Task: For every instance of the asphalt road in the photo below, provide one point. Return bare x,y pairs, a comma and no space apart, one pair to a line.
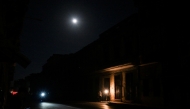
81,105
48,105
85,105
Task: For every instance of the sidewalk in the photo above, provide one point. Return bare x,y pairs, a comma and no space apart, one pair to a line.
136,105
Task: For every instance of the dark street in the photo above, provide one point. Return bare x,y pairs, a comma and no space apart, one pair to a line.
94,54
83,105
49,105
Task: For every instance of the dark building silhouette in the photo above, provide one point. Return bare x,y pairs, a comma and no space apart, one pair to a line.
174,44
11,19
61,74
125,61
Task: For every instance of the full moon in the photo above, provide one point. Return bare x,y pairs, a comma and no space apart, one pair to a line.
74,20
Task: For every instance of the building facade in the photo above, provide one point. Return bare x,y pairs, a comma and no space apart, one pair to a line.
125,84
125,60
136,60
12,15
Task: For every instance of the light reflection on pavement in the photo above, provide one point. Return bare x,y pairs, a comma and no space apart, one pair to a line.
105,107
94,105
81,105
46,105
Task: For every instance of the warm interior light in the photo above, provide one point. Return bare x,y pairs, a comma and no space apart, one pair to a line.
106,91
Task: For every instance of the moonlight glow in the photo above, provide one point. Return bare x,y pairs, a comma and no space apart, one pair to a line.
74,20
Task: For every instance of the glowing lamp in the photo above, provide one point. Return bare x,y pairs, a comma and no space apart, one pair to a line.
43,94
106,91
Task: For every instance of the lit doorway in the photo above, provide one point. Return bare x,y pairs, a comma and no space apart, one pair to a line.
106,87
118,86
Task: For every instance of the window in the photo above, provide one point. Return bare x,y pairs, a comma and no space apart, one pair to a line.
156,87
107,83
146,87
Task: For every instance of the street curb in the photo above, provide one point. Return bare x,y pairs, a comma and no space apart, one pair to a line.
132,104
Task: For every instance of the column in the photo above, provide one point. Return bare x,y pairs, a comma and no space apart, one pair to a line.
123,86
112,88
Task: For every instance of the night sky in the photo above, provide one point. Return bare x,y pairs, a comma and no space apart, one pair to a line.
48,27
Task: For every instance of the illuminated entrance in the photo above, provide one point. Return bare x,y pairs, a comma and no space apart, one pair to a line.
113,79
118,86
106,87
